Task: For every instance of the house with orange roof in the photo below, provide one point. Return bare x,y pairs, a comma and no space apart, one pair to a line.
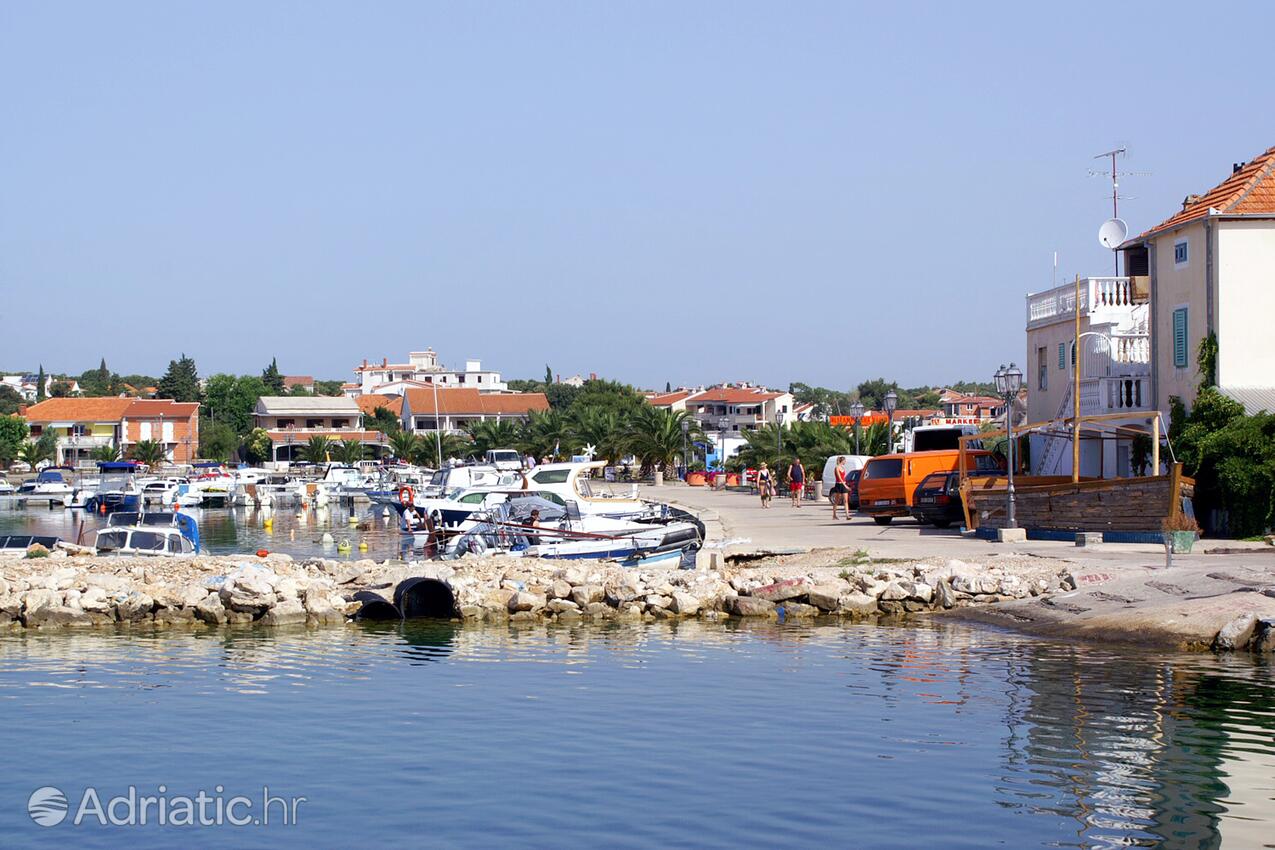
740,408
1210,266
82,425
292,382
674,401
292,421
451,409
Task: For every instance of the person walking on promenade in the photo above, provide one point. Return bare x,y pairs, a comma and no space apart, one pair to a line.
765,484
839,489
797,480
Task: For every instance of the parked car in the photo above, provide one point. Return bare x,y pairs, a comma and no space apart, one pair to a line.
852,481
937,500
888,482
854,463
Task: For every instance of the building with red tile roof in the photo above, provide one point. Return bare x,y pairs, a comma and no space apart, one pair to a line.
83,425
305,382
457,407
1208,271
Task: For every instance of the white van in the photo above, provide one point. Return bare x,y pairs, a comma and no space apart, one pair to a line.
853,462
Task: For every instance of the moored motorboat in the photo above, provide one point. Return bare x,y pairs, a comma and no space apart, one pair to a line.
166,534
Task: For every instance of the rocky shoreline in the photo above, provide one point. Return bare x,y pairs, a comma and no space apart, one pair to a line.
66,591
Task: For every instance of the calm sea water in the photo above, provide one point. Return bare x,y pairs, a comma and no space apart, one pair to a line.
234,530
690,735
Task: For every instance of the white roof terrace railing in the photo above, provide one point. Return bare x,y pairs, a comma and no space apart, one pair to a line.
1097,294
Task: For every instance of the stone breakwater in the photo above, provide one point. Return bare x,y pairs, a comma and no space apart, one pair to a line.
75,592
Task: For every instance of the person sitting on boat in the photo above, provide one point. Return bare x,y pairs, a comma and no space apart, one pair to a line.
534,522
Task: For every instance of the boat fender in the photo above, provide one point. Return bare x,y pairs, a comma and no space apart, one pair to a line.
327,537
362,545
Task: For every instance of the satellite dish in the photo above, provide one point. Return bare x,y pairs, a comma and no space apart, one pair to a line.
1113,233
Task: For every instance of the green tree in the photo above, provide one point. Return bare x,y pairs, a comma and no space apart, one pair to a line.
384,420
317,449
271,377
257,446
548,433
328,388
668,386
104,454
492,434
13,433
217,440
299,390
548,375
350,451
35,452
602,428
148,452
1231,456
180,382
426,452
404,445
39,385
231,400
60,389
826,402
10,401
654,436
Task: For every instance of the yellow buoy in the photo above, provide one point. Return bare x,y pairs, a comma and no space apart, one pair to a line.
268,521
362,545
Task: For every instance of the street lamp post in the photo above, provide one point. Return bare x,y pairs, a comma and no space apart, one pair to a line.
891,402
723,423
856,413
779,434
1008,382
686,430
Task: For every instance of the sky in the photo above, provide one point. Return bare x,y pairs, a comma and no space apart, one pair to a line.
655,192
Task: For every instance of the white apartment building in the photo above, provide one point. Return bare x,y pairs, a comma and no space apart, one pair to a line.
422,367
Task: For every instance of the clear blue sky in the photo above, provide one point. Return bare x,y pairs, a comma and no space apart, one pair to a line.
650,191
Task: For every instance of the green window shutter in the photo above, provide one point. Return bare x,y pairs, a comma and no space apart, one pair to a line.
1179,338
1062,355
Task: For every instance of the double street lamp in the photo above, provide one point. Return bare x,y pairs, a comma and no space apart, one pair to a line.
1008,382
856,413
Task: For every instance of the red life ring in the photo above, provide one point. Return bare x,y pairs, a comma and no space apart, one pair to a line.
406,496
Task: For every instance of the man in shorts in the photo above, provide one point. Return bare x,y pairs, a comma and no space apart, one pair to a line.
796,480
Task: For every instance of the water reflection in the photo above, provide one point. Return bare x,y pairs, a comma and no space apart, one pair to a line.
1051,744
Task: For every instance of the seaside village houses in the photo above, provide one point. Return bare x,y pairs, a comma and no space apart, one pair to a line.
425,396
1208,269
82,425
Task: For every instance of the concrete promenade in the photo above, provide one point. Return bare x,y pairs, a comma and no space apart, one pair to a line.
1125,592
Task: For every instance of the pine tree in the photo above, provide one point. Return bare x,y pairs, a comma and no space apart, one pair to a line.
39,385
548,374
181,381
271,378
668,386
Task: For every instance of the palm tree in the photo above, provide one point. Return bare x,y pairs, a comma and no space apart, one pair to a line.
149,452
426,453
33,452
548,433
492,434
654,435
317,449
105,453
601,428
404,445
350,451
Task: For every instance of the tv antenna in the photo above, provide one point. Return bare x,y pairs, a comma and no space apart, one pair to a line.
1114,226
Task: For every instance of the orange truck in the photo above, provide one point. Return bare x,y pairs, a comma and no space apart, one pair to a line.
888,482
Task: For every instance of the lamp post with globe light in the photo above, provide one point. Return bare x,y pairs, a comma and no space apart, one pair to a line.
686,430
1008,382
856,413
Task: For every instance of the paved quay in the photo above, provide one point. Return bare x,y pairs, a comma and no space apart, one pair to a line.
1218,595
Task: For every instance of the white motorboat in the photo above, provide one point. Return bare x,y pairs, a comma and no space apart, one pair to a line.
161,534
6,489
52,484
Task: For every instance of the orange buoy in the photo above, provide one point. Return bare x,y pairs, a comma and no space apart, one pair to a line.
261,553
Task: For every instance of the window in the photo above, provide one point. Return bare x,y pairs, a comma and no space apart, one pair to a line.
1180,337
892,468
1181,253
1062,355
551,476
1042,369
